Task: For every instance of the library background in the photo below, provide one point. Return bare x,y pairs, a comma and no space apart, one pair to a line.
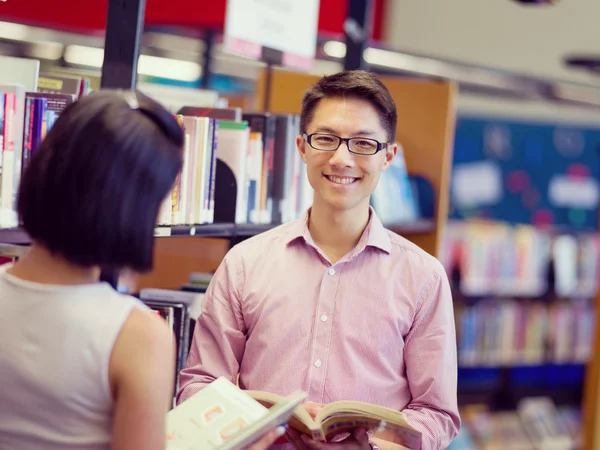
498,177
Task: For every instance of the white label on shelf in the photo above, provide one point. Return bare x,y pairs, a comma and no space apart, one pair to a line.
162,232
289,26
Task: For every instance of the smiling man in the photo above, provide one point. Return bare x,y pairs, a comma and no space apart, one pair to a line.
335,304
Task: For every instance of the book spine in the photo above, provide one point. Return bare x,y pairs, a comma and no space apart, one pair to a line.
213,171
2,127
8,152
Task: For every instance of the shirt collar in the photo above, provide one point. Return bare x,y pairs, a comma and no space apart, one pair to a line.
375,235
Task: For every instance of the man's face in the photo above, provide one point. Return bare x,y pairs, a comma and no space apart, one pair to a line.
343,180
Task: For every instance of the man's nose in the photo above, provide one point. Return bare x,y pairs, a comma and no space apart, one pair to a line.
342,156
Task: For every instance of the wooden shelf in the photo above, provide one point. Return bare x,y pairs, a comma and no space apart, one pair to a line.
215,230
417,227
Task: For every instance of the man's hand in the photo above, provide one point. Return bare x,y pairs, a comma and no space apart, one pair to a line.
358,440
268,439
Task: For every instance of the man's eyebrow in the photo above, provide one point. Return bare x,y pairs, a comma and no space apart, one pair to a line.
364,132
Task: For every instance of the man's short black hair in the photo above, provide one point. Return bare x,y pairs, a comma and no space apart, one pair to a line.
93,189
358,84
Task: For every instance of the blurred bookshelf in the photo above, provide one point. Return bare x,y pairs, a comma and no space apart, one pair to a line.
525,319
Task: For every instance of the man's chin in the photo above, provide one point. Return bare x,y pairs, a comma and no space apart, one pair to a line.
341,205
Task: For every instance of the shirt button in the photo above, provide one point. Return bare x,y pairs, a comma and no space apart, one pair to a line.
324,318
332,271
318,363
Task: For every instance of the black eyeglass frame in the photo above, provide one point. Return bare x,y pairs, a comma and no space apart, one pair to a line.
380,145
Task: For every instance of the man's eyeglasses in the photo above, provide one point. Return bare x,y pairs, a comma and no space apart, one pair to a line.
331,142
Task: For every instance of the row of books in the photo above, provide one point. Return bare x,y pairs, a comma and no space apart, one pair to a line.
536,424
505,260
249,164
25,118
30,103
509,332
238,168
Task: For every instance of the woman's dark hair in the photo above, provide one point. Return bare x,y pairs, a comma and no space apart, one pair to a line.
358,84
93,189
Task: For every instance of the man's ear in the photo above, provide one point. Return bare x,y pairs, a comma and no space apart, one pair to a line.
390,154
301,146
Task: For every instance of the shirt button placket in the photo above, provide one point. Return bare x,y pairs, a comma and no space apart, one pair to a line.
323,332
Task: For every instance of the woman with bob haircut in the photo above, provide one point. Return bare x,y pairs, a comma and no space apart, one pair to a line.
82,366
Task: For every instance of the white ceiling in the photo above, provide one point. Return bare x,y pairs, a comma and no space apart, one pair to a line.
498,33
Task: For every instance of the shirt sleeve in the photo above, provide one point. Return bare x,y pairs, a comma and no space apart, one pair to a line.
431,365
219,335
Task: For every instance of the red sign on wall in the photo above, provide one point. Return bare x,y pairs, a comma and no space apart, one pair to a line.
90,16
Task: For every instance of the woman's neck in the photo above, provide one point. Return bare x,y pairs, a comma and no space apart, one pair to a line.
39,265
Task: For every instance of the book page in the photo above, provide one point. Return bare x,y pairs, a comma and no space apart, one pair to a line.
301,419
385,423
391,432
211,417
277,415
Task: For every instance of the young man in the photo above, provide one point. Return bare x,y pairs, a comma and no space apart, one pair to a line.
335,304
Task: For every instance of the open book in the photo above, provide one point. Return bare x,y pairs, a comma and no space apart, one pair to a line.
223,417
344,416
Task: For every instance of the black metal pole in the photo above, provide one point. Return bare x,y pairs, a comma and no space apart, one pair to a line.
268,81
207,59
124,28
357,32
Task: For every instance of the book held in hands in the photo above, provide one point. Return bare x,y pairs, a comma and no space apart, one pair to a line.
343,417
223,417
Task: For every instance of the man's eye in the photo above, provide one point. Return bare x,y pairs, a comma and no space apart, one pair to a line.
324,139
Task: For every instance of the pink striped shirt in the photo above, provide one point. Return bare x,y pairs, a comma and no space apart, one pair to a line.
376,326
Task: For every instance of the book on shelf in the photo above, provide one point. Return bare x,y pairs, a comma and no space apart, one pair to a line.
56,83
178,308
23,71
223,417
394,198
167,313
535,424
341,417
264,124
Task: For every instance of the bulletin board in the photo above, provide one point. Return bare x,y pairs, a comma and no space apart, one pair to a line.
526,172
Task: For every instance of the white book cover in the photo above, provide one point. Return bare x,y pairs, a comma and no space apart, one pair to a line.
23,71
223,417
192,131
233,139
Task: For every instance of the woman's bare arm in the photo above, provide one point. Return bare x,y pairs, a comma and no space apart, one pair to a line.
142,371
